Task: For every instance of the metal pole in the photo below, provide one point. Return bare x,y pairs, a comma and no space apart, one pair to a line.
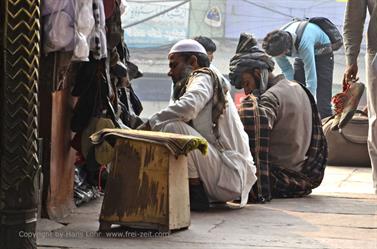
19,166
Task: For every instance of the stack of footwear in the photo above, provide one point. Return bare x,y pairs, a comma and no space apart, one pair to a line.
346,104
82,191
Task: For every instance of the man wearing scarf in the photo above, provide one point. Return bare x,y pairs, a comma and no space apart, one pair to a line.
203,107
283,124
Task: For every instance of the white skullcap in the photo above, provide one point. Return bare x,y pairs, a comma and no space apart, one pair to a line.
187,45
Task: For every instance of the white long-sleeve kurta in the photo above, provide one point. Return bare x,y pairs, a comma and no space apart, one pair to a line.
225,173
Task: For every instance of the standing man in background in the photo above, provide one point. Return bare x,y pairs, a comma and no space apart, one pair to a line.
208,45
314,59
210,48
356,12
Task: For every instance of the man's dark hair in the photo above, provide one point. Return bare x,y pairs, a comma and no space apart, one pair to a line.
206,42
277,42
252,72
203,60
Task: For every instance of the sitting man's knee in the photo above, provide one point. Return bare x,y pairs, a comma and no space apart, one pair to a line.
169,127
177,127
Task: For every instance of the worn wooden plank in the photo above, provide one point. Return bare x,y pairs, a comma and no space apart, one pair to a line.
147,188
137,186
179,201
60,196
56,105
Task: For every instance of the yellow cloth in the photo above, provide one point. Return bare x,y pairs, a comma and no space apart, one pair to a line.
95,124
177,144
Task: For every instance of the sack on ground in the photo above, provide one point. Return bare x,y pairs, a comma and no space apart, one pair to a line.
348,147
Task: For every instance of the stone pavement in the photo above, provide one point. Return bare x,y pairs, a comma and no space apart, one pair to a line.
341,213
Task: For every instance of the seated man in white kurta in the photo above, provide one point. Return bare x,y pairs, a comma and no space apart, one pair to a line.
203,107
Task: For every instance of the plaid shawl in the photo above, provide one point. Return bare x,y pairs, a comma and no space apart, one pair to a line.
274,181
255,121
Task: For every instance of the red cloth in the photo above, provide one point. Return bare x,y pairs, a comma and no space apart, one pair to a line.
339,99
109,7
76,142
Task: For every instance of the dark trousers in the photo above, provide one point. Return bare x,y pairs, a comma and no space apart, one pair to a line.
324,68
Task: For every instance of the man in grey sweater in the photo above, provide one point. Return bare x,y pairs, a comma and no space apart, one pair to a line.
356,12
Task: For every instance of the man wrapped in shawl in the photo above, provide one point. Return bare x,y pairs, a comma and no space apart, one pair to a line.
203,107
283,124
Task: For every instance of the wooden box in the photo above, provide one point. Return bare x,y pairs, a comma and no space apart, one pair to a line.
147,188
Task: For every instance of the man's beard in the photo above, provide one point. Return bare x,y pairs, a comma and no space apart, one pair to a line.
180,84
184,75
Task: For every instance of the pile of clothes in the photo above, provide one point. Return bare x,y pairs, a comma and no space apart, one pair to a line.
101,74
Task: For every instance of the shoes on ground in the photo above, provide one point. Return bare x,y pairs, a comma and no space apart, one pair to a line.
346,104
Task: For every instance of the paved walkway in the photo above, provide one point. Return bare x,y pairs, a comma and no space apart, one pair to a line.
341,213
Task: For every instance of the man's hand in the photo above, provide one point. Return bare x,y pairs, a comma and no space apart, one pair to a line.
145,126
350,74
365,109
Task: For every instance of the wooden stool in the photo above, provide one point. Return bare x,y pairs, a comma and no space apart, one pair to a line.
147,188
